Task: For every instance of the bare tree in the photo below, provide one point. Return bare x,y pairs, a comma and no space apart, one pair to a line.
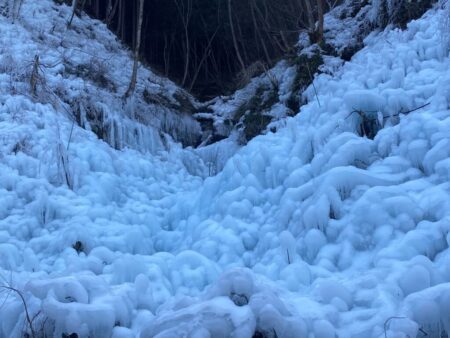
233,33
310,15
316,32
185,12
120,29
111,11
320,20
168,44
14,7
132,85
206,54
74,8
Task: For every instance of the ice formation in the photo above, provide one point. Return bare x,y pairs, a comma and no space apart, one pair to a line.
312,231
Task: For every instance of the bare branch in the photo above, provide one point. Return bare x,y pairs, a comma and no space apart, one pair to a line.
27,314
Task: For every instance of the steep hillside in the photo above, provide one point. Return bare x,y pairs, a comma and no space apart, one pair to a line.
335,225
84,71
262,104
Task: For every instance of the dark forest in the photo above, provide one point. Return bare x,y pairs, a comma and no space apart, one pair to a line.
209,47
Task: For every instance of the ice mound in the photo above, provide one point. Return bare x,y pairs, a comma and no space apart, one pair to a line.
313,231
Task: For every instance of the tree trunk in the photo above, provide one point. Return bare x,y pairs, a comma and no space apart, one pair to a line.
111,12
74,8
205,55
97,9
185,13
132,86
233,34
310,15
320,21
121,21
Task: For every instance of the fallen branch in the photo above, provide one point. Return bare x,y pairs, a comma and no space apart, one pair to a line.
410,111
362,112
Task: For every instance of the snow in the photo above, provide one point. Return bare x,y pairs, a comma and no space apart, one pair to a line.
312,231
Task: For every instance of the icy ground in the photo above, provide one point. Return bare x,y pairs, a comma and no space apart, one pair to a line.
312,231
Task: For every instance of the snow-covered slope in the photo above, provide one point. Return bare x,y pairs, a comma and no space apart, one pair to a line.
313,231
84,71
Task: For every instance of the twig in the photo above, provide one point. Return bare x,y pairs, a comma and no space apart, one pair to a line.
412,110
386,324
275,333
6,299
74,8
423,331
87,53
70,136
314,86
64,162
51,65
362,112
43,324
359,112
18,10
27,314
35,316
